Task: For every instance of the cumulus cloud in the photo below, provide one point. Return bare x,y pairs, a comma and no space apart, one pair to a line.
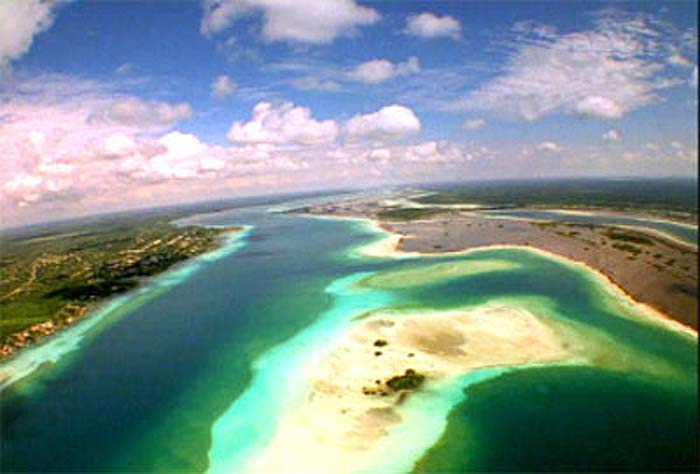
20,21
292,21
222,86
604,72
550,146
134,112
284,123
380,70
57,162
428,25
64,138
118,144
181,156
474,124
611,135
391,122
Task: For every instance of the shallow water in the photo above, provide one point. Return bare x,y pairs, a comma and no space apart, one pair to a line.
197,375
685,233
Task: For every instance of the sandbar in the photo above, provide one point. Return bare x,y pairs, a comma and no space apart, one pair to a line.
351,415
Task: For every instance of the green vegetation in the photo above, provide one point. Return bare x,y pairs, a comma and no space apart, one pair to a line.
410,380
408,213
629,237
50,279
380,343
571,233
545,225
627,248
665,195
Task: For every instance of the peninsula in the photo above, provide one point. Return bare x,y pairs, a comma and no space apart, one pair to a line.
654,268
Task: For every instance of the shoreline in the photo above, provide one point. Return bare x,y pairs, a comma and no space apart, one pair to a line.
65,339
344,416
389,247
345,420
33,335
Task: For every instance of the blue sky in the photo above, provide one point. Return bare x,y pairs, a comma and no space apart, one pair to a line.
109,105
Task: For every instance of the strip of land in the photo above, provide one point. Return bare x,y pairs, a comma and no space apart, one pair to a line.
52,280
650,268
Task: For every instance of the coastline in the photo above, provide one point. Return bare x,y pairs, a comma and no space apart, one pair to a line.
348,420
389,246
342,414
66,339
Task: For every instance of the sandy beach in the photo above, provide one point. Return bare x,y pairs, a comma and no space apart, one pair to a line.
390,247
350,412
662,276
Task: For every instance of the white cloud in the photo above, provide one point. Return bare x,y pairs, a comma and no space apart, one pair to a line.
380,70
550,146
183,156
611,135
391,122
694,78
678,60
605,72
118,144
20,21
474,124
289,20
222,86
284,123
428,25
134,112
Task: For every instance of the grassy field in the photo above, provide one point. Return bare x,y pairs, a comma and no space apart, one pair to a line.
51,278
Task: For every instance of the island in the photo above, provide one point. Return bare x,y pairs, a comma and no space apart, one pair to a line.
53,278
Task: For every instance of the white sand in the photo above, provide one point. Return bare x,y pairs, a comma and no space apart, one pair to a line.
338,428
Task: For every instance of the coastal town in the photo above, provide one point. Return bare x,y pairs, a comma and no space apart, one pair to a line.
49,282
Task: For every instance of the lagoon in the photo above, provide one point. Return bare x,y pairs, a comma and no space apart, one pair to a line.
198,375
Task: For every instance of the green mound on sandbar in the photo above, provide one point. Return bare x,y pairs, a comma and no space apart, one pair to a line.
435,273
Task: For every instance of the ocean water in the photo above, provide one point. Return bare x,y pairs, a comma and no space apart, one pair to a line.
197,375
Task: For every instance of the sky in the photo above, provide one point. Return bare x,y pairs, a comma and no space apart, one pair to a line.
111,105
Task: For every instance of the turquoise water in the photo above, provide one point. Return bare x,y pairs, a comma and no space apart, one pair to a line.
683,232
197,375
